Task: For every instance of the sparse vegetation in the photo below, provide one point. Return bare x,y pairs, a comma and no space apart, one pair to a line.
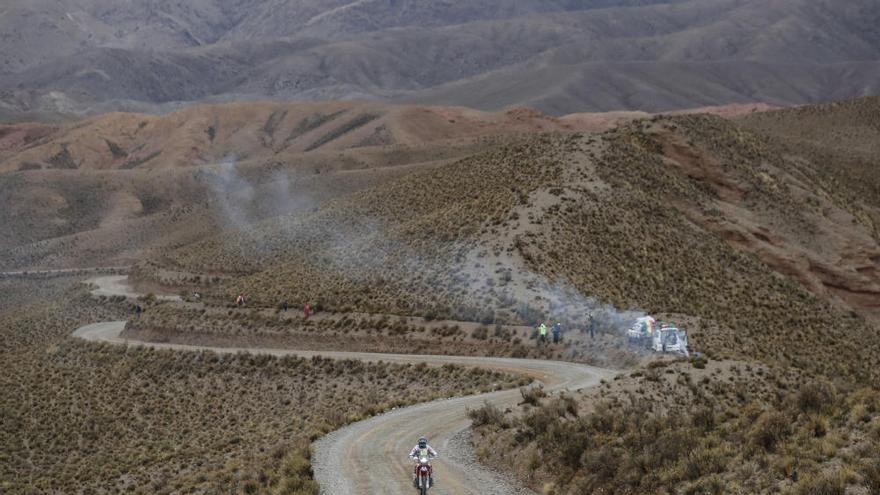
63,159
311,123
116,150
137,162
25,166
272,122
359,121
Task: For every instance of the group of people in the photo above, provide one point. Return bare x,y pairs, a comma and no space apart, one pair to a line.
556,330
545,333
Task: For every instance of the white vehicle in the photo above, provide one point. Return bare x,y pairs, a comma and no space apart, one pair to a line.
642,329
647,333
670,339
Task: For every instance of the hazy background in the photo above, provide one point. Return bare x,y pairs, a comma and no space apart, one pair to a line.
560,56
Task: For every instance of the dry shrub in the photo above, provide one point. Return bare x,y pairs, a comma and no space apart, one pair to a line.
832,483
487,415
295,473
770,428
813,397
532,395
705,461
713,485
870,471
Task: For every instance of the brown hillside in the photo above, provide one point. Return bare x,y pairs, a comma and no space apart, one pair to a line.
249,131
690,215
774,237
112,188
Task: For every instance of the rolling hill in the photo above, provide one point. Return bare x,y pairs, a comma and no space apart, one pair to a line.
110,188
693,215
559,56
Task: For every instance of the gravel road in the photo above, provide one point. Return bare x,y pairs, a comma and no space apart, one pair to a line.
117,285
369,457
65,272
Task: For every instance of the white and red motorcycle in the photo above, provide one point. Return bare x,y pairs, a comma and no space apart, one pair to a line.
424,474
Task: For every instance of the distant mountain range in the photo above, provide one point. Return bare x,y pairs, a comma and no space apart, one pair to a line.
560,56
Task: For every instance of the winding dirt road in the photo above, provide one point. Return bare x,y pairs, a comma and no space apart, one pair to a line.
369,457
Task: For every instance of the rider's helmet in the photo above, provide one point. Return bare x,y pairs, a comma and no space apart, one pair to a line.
423,443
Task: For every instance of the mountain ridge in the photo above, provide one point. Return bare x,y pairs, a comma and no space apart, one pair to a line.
100,56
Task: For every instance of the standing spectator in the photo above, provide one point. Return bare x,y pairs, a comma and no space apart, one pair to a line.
307,311
542,334
557,332
592,327
285,306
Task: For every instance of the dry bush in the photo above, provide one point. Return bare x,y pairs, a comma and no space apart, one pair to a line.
488,415
770,428
821,484
871,472
532,395
814,397
480,333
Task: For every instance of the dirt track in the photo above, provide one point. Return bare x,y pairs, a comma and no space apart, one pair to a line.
62,272
369,457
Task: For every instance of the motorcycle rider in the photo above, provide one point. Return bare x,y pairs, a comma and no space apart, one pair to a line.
422,449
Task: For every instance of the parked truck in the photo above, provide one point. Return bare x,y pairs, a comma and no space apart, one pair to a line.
647,333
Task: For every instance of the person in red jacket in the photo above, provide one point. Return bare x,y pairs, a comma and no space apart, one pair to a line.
307,310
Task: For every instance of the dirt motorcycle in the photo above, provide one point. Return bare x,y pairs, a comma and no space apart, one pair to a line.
424,475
